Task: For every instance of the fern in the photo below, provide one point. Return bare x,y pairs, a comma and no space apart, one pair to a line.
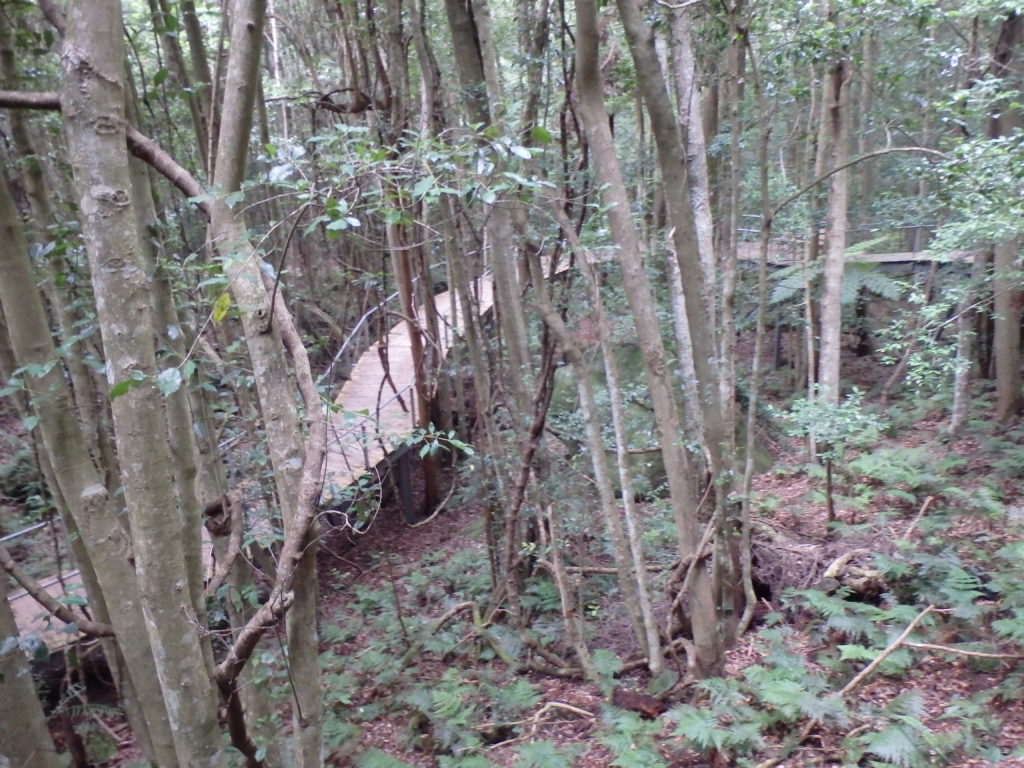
545,754
465,761
375,758
631,741
895,744
512,700
697,726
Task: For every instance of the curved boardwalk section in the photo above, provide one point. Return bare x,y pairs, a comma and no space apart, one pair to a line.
378,403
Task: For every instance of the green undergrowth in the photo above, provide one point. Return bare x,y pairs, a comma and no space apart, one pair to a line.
917,672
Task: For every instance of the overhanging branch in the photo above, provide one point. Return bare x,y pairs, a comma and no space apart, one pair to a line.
140,145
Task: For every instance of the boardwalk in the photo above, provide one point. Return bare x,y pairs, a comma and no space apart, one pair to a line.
373,416
379,406
378,411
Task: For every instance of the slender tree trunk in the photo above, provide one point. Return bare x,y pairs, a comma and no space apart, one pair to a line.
692,118
94,103
834,112
727,341
702,613
966,365
671,163
754,388
262,325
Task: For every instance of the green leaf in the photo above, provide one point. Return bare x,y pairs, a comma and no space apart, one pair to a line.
168,381
199,199
122,387
221,307
423,186
338,225
521,152
30,423
160,76
234,199
540,134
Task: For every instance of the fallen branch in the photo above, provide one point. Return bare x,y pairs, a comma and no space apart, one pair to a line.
534,721
963,651
917,518
860,677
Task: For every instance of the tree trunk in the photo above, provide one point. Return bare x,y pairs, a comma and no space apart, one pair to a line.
95,515
263,328
672,166
24,737
702,613
1008,296
834,112
94,101
468,60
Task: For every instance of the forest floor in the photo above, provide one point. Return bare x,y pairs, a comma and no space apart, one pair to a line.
793,541
384,591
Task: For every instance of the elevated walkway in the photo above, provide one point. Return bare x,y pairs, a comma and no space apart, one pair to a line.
377,412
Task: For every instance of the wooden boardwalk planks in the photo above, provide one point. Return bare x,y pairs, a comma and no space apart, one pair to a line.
378,405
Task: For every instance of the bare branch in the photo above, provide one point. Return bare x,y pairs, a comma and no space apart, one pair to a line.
861,158
140,145
50,603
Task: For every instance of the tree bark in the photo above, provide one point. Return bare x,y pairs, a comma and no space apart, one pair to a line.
24,737
834,113
263,326
1008,295
94,101
94,514
672,166
702,613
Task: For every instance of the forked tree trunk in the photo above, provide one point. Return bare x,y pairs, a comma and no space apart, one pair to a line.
274,382
93,512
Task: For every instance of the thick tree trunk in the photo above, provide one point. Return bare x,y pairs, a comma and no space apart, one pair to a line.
468,60
1008,294
94,108
95,515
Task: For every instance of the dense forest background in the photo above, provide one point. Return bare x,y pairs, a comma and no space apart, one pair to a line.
721,468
